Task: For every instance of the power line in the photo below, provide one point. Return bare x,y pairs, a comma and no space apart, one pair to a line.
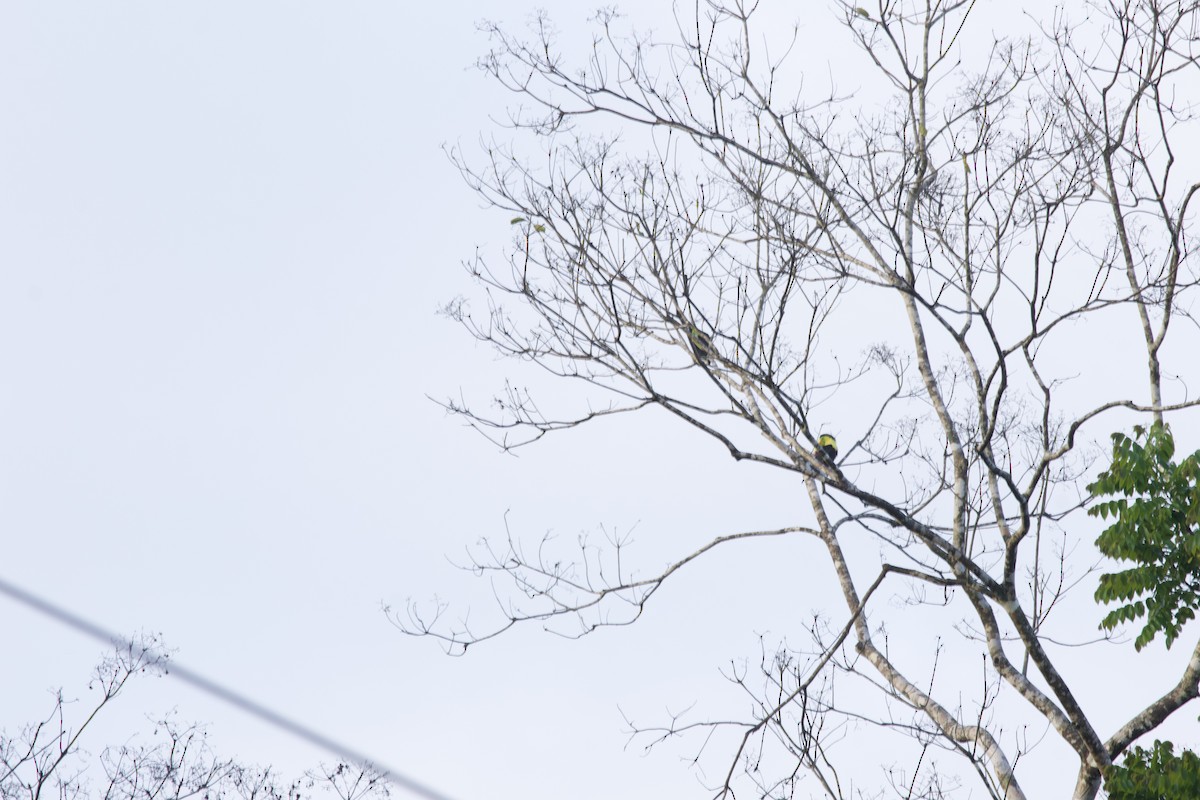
215,689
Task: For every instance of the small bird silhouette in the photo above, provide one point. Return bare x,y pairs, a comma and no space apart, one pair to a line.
701,342
828,447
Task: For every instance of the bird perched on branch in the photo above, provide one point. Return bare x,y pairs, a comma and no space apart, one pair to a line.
827,448
702,345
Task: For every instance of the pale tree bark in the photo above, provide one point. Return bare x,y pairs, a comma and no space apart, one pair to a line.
694,226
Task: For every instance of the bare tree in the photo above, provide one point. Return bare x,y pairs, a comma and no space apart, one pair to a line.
47,759
703,234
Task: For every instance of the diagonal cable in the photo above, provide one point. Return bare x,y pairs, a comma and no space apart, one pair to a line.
240,701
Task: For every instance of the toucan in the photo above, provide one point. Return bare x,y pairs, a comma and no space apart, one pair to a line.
828,446
701,343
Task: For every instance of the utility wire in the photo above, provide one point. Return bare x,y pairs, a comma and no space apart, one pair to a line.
215,689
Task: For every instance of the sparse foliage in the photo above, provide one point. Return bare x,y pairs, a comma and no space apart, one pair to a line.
1156,525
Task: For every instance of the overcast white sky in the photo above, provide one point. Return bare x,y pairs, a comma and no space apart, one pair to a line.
225,228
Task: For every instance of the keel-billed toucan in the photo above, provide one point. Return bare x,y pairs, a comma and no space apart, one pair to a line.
828,447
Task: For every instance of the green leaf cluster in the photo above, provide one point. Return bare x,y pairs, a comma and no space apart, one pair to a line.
1156,525
1155,774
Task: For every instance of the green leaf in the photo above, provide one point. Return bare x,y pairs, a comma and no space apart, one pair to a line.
1155,524
1155,774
